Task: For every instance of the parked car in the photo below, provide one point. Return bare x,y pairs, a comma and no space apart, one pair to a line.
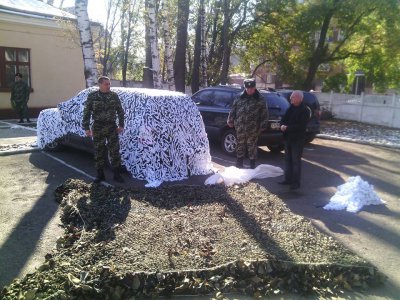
214,104
163,140
311,100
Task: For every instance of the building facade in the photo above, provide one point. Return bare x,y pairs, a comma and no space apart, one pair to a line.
34,42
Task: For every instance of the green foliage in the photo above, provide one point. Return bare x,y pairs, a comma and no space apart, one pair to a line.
335,83
298,37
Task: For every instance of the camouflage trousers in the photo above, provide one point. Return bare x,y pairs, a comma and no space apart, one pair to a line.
102,133
21,107
246,141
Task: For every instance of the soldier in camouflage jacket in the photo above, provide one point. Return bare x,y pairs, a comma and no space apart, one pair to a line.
19,98
103,106
249,116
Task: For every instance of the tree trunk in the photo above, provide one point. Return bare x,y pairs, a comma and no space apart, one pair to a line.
180,54
319,52
203,45
225,43
127,45
128,7
155,56
168,44
147,74
195,82
85,34
111,24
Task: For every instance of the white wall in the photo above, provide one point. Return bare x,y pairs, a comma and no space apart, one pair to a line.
373,109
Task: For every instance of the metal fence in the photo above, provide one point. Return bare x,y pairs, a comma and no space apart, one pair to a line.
373,109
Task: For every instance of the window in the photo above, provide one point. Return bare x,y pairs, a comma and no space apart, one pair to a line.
205,97
12,61
223,99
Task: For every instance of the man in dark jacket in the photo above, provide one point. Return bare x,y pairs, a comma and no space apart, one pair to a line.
249,116
103,106
293,126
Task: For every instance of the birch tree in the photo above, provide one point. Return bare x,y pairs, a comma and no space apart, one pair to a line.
90,69
155,56
169,60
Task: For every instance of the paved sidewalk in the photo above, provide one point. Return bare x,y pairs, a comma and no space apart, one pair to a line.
16,138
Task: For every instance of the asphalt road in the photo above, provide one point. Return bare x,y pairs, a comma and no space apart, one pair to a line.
29,215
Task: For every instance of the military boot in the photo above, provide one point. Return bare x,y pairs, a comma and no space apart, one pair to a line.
252,163
100,176
239,163
117,175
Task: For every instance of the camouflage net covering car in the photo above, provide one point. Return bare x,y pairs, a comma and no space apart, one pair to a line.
164,137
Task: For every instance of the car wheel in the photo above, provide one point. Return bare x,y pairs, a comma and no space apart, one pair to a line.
229,142
276,148
53,146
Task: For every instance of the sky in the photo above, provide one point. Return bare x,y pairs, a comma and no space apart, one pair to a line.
96,8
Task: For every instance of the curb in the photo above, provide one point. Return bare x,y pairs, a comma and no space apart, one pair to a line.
20,151
351,140
13,125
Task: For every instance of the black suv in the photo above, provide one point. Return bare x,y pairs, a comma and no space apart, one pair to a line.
214,104
311,100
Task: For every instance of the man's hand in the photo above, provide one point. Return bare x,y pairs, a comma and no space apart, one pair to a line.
283,127
120,130
89,133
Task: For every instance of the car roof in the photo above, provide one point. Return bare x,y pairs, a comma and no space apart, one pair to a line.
233,88
308,96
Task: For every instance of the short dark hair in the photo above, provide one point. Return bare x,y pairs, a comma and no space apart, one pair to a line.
102,78
19,75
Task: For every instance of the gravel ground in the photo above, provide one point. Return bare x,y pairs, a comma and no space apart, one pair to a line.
360,132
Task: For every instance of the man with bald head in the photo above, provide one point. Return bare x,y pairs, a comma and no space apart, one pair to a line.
293,126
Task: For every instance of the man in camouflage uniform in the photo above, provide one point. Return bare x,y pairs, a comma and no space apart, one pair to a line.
249,116
103,106
19,98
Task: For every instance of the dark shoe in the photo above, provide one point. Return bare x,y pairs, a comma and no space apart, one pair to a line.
100,176
295,186
252,163
285,182
117,176
28,121
21,121
239,163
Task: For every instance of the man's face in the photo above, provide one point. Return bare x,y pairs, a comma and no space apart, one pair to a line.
17,78
105,86
296,99
250,90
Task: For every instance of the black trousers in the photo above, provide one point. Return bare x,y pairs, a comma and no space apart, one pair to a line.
293,153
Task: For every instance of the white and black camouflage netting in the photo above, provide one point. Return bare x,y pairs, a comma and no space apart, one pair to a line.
164,137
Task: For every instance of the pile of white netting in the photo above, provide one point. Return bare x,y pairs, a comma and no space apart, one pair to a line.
232,175
164,137
353,195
